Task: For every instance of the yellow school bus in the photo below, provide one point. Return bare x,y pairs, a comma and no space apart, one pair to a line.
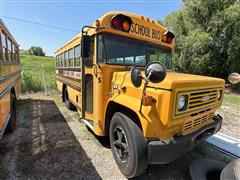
10,84
118,74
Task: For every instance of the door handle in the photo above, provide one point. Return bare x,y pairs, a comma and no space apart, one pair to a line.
95,69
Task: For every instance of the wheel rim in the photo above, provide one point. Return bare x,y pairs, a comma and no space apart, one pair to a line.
120,144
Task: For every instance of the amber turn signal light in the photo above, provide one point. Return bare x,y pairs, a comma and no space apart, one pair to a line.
148,100
125,26
97,22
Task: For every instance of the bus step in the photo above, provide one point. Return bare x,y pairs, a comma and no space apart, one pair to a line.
89,123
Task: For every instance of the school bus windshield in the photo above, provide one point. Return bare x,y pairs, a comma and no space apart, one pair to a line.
113,49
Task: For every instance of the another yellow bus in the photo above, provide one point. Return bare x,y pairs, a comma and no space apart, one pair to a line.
118,74
10,83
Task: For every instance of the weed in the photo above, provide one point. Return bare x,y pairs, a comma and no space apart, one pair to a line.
33,70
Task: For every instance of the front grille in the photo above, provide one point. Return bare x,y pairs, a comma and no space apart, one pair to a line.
197,122
198,99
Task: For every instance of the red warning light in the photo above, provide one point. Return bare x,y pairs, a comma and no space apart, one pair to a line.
168,37
121,22
115,23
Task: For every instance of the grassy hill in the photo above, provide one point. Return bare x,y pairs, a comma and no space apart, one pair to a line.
33,69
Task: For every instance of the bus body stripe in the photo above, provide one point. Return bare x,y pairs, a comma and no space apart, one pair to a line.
69,77
9,76
69,69
6,90
3,62
69,84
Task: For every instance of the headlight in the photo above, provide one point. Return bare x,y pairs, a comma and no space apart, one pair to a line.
182,103
219,94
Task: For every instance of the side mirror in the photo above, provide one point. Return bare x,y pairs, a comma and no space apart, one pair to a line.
136,77
86,50
234,78
155,72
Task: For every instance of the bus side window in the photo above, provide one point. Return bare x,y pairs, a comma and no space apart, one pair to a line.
62,60
71,57
4,45
77,54
13,53
65,58
57,60
17,54
9,43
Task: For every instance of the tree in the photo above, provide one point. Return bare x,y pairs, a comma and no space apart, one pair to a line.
207,37
23,51
36,51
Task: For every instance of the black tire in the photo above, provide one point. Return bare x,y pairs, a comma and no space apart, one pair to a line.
206,169
131,153
13,115
231,171
68,104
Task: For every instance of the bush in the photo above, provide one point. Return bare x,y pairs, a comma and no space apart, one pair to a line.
31,82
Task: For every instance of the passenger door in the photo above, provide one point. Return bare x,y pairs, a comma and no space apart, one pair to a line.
88,79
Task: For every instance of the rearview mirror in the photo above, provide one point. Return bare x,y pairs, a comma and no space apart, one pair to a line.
234,78
86,50
136,77
155,72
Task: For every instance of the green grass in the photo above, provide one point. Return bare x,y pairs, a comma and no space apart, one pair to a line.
32,77
233,98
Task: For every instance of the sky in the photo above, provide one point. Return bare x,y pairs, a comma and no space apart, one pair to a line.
72,15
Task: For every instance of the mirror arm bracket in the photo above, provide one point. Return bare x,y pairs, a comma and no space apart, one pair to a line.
146,81
91,27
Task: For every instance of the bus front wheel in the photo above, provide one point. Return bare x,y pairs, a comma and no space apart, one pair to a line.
13,114
129,146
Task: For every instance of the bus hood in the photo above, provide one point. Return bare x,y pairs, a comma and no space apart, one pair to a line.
174,79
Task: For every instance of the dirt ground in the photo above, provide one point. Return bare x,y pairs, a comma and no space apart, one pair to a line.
230,111
51,143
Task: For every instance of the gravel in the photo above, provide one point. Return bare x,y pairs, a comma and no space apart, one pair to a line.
50,142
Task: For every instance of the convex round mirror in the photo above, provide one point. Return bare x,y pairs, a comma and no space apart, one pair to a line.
136,77
155,72
234,78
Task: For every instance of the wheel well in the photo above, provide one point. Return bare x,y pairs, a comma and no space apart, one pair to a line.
115,107
63,89
13,91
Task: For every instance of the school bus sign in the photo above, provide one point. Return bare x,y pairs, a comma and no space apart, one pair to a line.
145,31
